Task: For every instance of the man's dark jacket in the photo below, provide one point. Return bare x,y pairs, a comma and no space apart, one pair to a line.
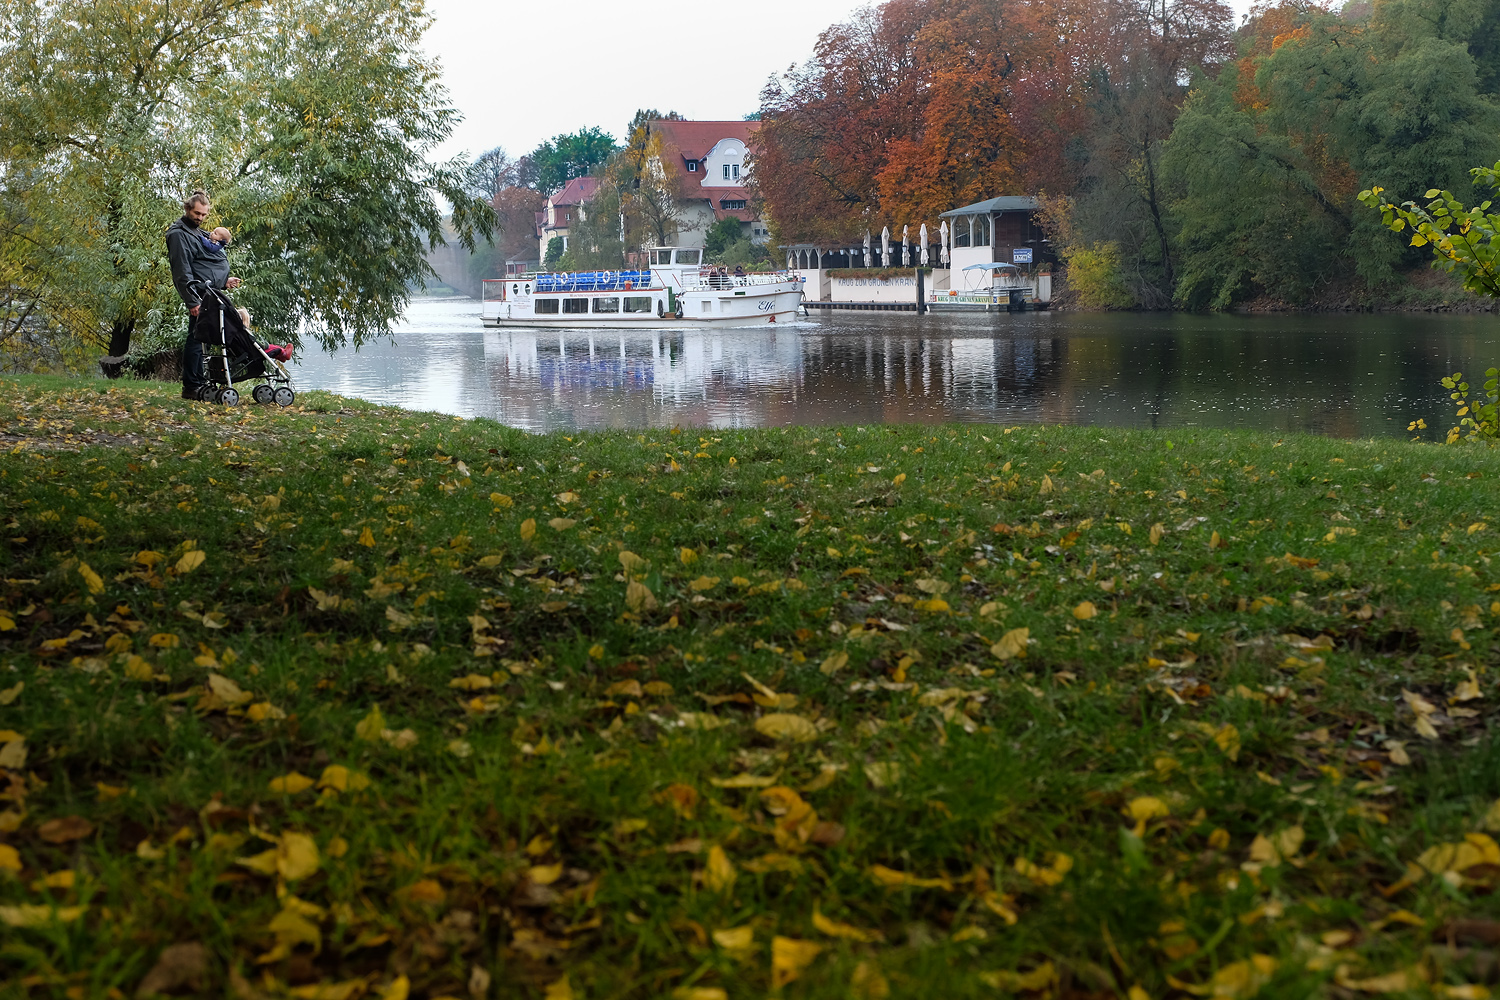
195,260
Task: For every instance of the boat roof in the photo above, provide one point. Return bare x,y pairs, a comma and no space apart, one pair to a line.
1003,204
990,267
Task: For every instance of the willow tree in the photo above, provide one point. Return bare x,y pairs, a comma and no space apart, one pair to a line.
309,123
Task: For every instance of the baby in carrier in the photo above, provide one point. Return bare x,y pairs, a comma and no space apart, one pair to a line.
278,352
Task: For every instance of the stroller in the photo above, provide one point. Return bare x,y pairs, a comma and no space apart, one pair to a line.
231,354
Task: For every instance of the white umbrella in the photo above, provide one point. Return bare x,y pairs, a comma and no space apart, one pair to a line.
922,239
943,240
867,248
885,247
905,238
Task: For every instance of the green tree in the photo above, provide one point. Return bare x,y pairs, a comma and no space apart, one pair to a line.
554,253
719,236
309,126
564,157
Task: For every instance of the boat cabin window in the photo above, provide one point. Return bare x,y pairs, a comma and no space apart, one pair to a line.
545,306
661,256
575,305
981,230
688,256
607,305
961,230
637,303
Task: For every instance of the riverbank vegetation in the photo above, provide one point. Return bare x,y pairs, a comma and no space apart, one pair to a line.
1188,162
345,701
308,124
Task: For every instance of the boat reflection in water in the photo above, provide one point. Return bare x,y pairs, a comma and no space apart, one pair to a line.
1341,375
541,380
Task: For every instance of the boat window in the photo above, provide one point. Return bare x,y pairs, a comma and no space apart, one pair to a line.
545,306
981,230
575,305
661,256
607,305
688,256
637,303
961,227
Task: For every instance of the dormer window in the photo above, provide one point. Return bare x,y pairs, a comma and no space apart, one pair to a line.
692,166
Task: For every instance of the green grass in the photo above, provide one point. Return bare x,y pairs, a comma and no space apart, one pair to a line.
574,768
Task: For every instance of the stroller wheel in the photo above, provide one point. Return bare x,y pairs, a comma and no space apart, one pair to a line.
229,396
262,393
204,393
284,396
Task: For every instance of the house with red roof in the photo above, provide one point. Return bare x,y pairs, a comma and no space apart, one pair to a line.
707,161
563,208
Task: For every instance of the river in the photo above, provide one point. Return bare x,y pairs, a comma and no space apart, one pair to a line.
1340,375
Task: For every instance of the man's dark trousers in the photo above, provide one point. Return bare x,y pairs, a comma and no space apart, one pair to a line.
193,377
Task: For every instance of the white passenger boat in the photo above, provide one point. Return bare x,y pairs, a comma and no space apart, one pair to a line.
676,290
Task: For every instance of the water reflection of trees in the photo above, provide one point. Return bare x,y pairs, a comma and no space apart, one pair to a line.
1337,375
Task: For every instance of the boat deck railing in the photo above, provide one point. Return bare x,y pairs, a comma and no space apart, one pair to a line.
711,280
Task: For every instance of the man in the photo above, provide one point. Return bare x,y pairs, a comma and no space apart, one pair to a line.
196,260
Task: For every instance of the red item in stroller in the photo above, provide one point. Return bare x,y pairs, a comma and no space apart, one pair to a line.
231,355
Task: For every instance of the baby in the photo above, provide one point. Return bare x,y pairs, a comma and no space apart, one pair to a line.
280,352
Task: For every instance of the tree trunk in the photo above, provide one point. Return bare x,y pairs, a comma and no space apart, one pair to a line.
119,346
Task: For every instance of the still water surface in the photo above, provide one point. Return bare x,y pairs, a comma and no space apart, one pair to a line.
1348,376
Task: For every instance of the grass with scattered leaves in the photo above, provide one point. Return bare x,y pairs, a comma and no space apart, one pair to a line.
347,701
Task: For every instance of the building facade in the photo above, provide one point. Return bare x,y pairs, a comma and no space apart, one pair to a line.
708,165
563,208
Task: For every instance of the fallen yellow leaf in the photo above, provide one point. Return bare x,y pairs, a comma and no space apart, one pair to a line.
789,957
719,874
1011,644
785,726
291,784
834,928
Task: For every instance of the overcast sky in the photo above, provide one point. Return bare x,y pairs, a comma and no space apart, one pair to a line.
524,72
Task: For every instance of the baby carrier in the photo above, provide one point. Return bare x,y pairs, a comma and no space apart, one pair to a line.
231,354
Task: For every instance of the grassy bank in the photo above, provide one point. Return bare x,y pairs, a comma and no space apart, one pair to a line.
343,701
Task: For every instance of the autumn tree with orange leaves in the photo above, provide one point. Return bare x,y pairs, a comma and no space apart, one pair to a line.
918,106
